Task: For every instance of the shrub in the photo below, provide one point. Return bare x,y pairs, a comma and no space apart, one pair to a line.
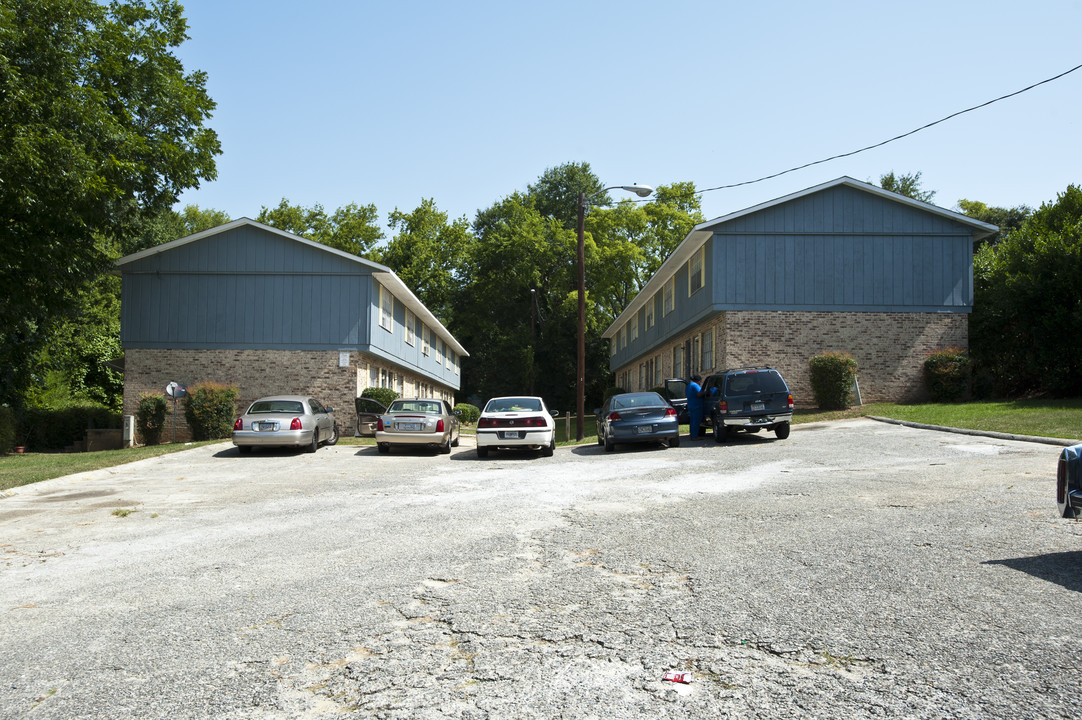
150,418
209,410
946,374
468,413
384,396
832,375
7,429
55,428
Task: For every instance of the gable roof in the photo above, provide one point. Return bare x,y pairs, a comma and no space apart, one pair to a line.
382,273
703,232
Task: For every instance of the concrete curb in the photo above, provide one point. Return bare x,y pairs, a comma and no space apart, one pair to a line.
982,433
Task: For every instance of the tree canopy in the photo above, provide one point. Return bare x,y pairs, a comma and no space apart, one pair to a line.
908,185
100,128
1026,328
352,228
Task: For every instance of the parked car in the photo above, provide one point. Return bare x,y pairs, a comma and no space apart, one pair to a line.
418,422
516,422
749,399
285,421
637,418
676,392
368,412
1069,482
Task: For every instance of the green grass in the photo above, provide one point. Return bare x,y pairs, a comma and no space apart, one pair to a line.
16,470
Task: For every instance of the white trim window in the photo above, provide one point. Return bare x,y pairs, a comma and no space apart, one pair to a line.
670,293
612,346
650,311
426,340
439,350
623,337
635,326
695,271
411,322
386,309
708,350
657,371
678,361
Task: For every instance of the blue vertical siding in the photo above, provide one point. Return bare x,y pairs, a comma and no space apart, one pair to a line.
247,288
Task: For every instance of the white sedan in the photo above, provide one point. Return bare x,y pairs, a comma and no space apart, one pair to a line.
516,422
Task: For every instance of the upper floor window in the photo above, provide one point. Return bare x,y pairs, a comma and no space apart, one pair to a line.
623,337
439,350
670,290
386,309
426,340
411,321
695,270
635,326
650,311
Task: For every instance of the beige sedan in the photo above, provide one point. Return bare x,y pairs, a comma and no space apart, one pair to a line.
418,422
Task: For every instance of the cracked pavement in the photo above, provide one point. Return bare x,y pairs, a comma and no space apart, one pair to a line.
856,570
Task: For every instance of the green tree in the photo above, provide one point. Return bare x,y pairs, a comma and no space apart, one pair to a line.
1006,219
556,192
352,228
627,244
908,185
1026,327
512,311
100,128
426,253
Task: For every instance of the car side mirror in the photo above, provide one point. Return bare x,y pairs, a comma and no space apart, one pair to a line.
554,413
597,411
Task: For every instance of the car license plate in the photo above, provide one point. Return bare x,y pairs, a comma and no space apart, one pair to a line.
643,428
264,426
514,435
409,427
758,406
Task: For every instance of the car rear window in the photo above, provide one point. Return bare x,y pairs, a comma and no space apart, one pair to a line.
751,383
633,400
513,405
417,406
276,406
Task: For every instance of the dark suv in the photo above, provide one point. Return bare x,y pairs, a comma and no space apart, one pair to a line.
747,399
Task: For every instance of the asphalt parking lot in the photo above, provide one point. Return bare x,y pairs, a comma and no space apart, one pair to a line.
856,570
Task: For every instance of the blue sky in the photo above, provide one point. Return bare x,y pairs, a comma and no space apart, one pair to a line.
392,102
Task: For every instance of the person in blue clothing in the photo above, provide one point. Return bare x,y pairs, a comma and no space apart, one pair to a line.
695,406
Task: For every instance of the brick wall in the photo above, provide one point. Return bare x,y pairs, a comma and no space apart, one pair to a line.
256,373
889,348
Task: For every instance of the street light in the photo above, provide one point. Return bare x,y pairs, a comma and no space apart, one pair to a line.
580,397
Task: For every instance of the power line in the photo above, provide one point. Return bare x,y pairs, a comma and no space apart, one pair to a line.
898,137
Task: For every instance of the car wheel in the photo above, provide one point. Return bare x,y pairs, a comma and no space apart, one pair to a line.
333,439
674,441
550,448
782,430
1063,498
482,452
454,443
383,448
720,431
244,449
600,439
609,445
445,449
314,445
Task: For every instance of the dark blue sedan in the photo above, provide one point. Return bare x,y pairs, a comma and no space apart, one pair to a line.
642,417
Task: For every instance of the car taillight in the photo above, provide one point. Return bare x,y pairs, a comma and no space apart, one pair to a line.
536,421
239,424
670,412
790,402
439,425
379,424
296,424
486,423
614,416
723,407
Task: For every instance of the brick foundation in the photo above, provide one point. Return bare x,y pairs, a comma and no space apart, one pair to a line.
257,373
889,348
